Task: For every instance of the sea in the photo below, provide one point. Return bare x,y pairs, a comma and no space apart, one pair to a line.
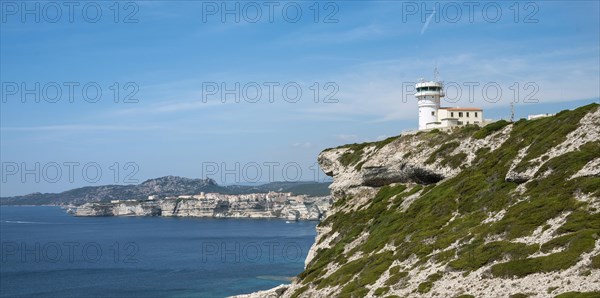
47,252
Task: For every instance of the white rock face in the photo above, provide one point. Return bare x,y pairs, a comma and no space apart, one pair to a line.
222,206
592,168
91,209
128,209
541,236
405,160
587,131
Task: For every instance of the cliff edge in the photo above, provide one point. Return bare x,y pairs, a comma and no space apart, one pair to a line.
507,209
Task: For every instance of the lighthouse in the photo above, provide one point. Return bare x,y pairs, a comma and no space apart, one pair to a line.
432,115
428,97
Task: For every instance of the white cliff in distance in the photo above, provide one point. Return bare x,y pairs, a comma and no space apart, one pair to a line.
260,205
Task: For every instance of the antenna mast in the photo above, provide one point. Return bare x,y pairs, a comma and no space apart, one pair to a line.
512,112
435,74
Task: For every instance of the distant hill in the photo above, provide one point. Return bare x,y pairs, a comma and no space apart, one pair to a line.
163,186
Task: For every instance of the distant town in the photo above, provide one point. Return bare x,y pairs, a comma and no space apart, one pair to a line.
257,205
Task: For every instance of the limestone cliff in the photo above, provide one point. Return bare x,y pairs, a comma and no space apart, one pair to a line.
507,209
271,205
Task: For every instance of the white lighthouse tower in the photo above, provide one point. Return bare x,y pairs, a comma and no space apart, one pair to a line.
428,98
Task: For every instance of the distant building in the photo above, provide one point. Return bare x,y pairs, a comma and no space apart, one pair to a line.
152,197
432,115
538,116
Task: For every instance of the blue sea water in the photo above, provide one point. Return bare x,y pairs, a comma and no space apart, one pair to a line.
46,252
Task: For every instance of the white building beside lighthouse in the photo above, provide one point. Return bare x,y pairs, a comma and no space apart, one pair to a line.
432,115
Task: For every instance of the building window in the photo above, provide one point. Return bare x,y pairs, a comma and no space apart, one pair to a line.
476,114
432,113
459,114
451,114
467,114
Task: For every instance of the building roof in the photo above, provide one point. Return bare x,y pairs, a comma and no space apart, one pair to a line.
460,109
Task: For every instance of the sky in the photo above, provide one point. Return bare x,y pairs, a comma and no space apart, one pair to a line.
103,92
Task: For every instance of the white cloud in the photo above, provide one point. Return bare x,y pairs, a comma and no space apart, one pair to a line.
374,90
426,25
170,107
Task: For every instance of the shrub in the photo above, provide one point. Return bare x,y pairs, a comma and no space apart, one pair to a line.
476,255
299,291
579,243
426,286
489,129
454,160
381,291
442,151
395,277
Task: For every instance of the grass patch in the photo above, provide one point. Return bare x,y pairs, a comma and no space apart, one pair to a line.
549,132
381,291
579,243
395,277
426,286
352,155
477,254
380,144
299,291
595,262
442,151
454,160
355,151
490,129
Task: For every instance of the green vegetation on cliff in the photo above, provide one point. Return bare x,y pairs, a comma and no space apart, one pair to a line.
454,212
355,151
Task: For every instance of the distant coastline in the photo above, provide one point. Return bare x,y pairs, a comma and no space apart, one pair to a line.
162,187
214,205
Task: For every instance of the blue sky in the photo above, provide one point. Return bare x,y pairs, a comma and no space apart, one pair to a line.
364,52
